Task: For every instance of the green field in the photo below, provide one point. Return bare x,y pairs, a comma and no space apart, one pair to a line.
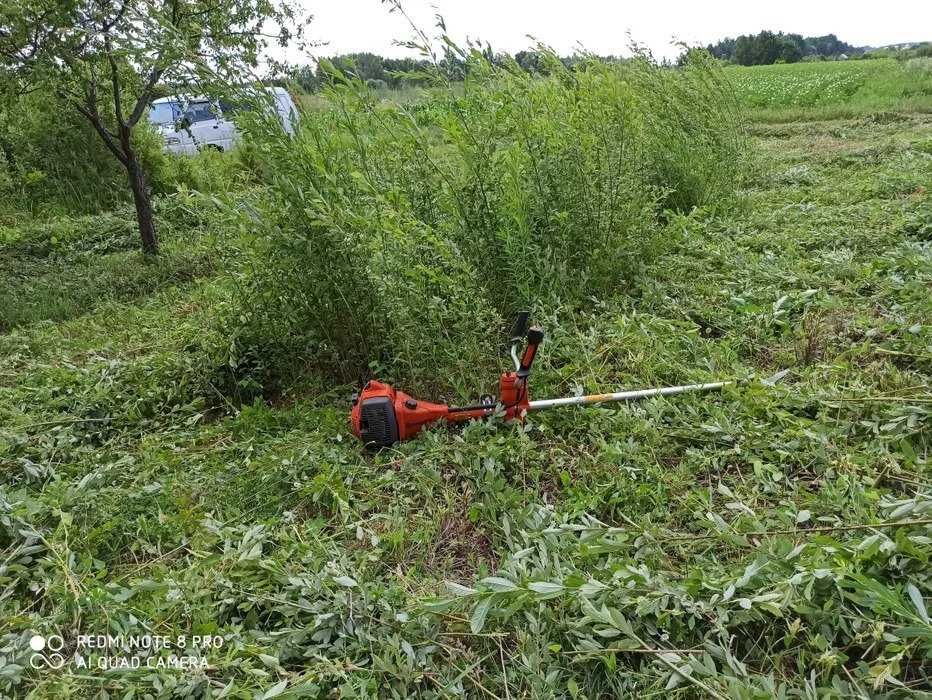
177,459
833,89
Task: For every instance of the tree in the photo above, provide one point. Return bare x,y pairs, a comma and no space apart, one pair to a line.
453,64
724,49
745,50
829,45
401,71
106,58
794,48
767,47
365,66
305,77
529,61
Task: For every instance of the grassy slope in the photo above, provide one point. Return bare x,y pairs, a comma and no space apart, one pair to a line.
314,560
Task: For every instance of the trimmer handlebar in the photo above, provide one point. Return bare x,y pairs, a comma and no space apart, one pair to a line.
535,336
520,327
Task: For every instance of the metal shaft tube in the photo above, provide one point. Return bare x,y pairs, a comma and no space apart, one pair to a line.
625,395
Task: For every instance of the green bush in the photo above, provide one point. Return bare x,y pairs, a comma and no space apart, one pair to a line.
385,225
694,133
53,161
208,172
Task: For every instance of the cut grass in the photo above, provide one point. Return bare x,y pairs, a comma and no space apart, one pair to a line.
709,545
62,268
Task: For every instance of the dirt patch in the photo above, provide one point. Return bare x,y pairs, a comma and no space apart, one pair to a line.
459,546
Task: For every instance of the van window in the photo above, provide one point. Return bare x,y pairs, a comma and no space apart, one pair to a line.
199,112
231,108
164,113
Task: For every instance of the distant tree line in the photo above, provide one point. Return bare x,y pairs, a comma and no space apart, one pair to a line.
374,69
902,52
383,72
769,47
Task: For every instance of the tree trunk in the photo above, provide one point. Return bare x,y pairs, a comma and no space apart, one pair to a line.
124,151
137,181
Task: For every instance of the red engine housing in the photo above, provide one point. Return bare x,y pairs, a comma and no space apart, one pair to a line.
382,415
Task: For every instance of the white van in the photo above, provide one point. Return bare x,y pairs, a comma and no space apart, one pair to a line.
191,124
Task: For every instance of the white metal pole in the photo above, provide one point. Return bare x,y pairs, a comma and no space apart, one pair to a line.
625,395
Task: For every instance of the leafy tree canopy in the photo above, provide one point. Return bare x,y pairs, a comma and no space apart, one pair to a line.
769,47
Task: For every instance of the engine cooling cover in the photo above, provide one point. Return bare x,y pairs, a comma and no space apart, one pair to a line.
377,424
382,415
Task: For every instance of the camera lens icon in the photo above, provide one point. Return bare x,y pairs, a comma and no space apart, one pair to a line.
53,644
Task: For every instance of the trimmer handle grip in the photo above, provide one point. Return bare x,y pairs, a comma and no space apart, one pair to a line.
535,336
520,327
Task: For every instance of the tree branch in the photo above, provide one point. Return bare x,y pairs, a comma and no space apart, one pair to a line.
146,95
107,26
115,82
93,116
104,134
23,55
154,75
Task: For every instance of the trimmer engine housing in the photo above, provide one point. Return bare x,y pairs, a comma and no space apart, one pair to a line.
382,415
374,415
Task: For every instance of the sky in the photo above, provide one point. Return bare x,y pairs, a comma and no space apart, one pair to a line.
600,26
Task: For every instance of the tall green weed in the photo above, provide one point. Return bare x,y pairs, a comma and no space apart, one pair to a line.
405,233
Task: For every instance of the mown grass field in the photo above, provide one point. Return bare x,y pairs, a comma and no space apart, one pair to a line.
762,543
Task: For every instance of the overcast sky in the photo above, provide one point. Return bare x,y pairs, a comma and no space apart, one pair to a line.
600,26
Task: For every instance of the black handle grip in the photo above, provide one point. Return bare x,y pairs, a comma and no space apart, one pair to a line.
535,336
520,327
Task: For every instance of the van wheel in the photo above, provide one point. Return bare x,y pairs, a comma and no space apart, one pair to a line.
213,147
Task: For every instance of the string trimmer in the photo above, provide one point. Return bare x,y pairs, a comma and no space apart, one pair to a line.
382,415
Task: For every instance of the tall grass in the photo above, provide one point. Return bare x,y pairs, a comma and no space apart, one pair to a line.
404,233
